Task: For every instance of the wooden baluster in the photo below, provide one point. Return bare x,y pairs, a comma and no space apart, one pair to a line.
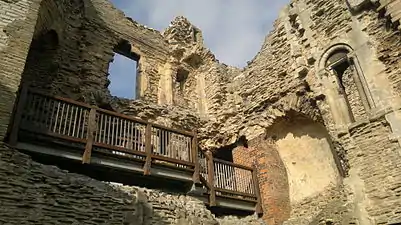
75,121
50,115
169,151
80,129
90,136
18,115
70,118
148,150
60,128
258,208
108,129
212,194
57,117
194,156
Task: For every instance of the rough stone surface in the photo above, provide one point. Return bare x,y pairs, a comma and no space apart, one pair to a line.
32,193
65,48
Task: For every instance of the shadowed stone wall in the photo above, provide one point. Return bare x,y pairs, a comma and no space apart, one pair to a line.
182,85
32,193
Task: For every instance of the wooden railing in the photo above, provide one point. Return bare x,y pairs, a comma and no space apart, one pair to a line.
230,180
123,136
105,131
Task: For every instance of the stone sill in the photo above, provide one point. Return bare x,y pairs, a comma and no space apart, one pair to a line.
373,115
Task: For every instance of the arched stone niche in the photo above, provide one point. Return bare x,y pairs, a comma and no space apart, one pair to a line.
306,151
42,64
344,85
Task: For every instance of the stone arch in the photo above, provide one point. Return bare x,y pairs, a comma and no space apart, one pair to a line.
54,55
344,84
41,66
329,51
307,153
49,18
297,134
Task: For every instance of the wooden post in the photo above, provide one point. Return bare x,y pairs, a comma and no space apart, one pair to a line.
258,208
196,176
16,121
210,172
148,149
92,126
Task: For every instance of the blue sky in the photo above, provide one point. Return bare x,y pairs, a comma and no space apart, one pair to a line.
233,29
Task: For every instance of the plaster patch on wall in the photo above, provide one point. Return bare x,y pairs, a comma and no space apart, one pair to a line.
306,152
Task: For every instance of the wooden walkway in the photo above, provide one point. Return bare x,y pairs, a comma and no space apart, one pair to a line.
151,149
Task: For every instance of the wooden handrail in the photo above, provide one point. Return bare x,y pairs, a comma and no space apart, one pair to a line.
67,100
85,105
235,192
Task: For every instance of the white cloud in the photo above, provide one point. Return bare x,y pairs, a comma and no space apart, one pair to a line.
233,29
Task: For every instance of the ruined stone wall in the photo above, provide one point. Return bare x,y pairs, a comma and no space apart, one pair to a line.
323,24
204,89
33,193
288,75
301,37
16,30
106,26
53,63
373,158
88,33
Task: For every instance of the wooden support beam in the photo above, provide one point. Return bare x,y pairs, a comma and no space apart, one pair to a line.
148,149
22,98
258,208
92,126
210,172
196,176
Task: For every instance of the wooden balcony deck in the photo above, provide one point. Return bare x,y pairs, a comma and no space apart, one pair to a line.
64,129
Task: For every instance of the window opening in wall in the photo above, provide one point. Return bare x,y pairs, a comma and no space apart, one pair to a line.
181,77
123,71
350,85
226,153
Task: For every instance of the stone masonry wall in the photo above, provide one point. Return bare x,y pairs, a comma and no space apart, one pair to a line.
287,75
17,23
32,193
53,63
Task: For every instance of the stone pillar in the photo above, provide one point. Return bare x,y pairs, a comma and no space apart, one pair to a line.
165,88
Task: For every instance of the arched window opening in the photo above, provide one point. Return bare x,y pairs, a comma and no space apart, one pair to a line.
123,72
351,83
